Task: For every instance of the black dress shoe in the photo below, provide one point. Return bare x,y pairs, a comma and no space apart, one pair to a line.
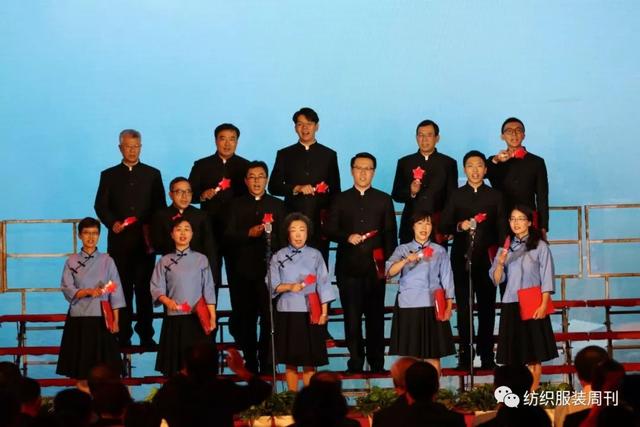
379,371
350,372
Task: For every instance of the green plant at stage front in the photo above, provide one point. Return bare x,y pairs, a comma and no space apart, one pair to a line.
479,398
447,398
277,404
378,398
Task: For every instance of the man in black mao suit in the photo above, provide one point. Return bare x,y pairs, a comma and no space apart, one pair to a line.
215,181
520,175
128,195
247,237
363,223
429,193
163,220
298,171
475,210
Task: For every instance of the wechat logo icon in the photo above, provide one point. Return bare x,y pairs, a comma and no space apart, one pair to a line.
503,394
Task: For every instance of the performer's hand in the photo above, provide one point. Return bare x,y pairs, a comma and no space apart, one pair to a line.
170,304
96,292
447,236
324,318
502,258
541,312
307,189
256,230
212,323
415,187
465,225
116,328
502,156
297,287
208,194
355,239
117,227
447,314
414,257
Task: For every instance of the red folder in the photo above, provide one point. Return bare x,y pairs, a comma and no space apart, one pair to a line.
202,311
440,303
378,258
107,313
530,299
315,308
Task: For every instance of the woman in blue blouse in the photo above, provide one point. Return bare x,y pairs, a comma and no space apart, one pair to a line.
298,342
86,340
179,280
424,267
526,263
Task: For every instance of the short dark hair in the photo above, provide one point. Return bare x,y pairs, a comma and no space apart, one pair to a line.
88,222
297,216
176,222
102,373
131,133
72,404
364,155
511,120
201,360
587,359
308,113
517,377
226,126
176,180
473,153
607,375
422,382
28,390
258,164
427,122
419,215
111,398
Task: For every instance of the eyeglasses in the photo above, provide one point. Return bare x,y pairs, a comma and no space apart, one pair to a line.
518,219
256,178
513,131
182,192
365,169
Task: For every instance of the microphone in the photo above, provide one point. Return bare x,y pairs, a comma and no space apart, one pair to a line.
473,224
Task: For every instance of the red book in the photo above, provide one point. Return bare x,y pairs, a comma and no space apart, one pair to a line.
507,243
202,311
315,308
321,188
129,220
369,235
440,300
418,173
378,258
530,299
107,313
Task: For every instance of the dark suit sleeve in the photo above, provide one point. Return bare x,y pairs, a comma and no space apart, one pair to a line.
501,221
401,192
196,182
101,204
279,238
542,195
210,246
334,175
277,183
158,200
233,229
448,224
332,226
158,237
452,179
390,229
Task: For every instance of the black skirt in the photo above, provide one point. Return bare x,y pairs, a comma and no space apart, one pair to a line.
85,343
298,342
178,333
416,332
524,341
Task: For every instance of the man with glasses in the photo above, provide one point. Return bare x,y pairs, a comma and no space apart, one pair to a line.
253,222
203,241
306,175
363,223
128,195
424,180
215,181
520,175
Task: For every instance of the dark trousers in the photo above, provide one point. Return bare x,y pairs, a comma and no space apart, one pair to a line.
135,274
485,295
363,296
250,302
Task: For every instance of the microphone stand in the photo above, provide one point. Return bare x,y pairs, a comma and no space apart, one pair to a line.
472,238
268,229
